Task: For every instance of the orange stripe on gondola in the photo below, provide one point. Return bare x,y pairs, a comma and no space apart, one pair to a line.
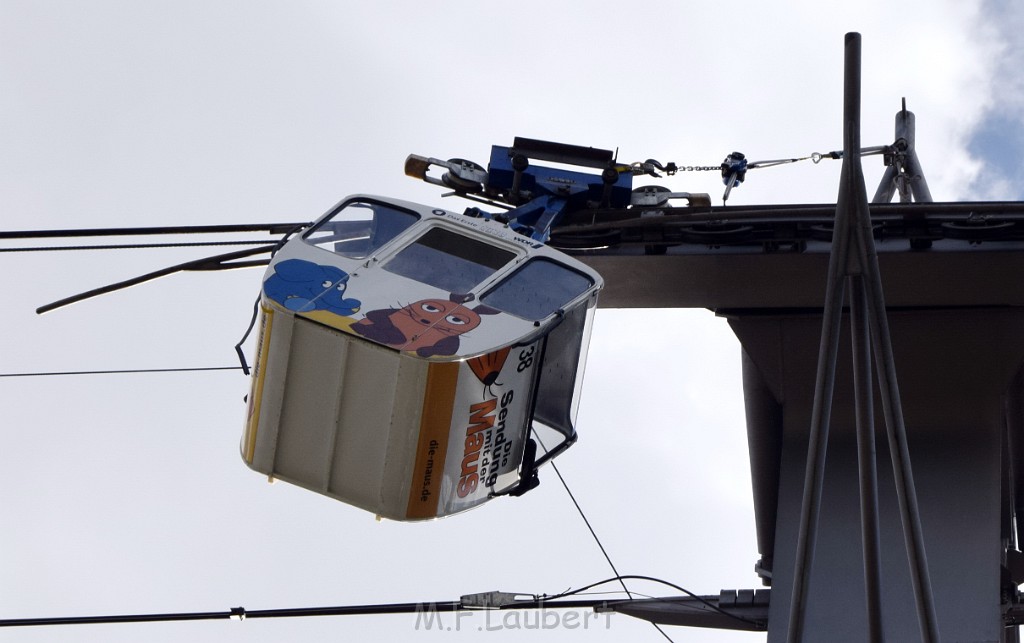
435,427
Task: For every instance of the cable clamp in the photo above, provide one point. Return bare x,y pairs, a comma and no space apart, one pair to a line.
494,600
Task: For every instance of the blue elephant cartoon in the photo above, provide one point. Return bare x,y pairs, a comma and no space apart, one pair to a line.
303,286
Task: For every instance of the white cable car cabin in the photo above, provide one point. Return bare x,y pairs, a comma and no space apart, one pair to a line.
405,352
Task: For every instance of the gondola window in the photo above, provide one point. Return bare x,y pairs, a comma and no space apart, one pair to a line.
358,229
538,289
450,261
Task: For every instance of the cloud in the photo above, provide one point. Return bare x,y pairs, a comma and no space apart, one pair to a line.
997,139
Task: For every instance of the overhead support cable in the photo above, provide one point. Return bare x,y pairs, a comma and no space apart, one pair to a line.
593,533
241,613
135,246
728,610
127,371
994,220
271,228
218,262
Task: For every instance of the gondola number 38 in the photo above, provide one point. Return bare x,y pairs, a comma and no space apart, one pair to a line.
525,359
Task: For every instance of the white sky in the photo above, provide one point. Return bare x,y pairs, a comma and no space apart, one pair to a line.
126,494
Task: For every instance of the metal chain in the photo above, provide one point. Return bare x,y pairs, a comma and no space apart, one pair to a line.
699,168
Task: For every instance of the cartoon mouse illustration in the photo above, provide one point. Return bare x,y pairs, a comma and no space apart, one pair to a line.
428,326
303,286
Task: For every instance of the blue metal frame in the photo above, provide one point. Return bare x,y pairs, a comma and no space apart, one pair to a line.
552,191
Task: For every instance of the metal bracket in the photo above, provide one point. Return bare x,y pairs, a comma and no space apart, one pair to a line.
494,600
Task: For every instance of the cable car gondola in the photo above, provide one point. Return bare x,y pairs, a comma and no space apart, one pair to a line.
413,361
